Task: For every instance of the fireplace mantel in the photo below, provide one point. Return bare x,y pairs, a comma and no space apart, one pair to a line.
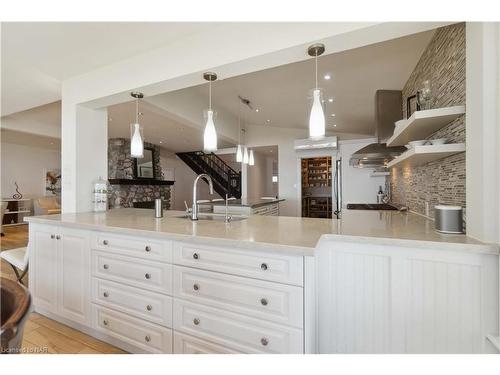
139,181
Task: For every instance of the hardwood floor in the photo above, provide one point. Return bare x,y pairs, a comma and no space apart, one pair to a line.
41,334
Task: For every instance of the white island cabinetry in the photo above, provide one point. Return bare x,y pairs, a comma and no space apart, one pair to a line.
162,296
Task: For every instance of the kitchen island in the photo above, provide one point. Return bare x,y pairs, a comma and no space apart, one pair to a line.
246,206
265,284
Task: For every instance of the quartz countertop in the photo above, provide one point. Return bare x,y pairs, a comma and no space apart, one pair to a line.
294,235
245,202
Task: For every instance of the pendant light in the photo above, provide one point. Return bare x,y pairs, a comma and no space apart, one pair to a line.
239,153
251,160
317,116
210,135
136,135
245,155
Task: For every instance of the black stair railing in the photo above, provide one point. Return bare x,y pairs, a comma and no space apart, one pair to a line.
226,180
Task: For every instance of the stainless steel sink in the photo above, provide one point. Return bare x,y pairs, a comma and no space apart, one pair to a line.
213,217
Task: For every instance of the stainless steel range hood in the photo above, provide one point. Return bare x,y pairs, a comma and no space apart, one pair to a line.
388,109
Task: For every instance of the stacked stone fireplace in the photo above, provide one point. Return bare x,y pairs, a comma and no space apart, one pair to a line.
126,189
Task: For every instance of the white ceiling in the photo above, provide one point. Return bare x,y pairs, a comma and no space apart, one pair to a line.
37,56
281,94
30,139
158,127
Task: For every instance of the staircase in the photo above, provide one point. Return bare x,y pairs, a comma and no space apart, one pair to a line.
225,179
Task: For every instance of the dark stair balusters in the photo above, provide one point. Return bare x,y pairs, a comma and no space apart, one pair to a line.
225,179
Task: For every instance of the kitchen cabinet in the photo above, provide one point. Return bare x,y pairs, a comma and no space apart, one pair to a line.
142,294
60,271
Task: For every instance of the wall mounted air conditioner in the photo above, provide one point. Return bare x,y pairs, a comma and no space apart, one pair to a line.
315,144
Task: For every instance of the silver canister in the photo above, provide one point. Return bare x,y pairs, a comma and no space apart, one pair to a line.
448,219
158,208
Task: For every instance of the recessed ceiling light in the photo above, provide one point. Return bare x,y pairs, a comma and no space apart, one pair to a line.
334,125
161,141
333,115
330,100
256,109
327,76
268,120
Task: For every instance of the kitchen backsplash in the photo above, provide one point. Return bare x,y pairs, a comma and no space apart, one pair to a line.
442,181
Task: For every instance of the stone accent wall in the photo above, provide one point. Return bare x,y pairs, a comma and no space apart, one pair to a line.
126,195
121,165
442,181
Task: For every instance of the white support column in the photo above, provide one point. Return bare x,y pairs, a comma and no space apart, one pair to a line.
482,131
84,154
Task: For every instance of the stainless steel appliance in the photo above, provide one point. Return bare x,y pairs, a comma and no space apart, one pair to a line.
337,188
448,219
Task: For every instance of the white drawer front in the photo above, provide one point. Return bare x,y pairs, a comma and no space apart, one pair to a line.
235,331
133,246
145,336
156,308
260,299
185,344
280,268
153,276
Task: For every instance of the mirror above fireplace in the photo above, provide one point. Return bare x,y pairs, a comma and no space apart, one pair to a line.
143,167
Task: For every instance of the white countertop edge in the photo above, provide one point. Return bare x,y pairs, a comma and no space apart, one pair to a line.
478,248
202,240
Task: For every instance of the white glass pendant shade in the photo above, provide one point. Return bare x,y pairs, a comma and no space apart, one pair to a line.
245,156
317,117
251,160
210,135
239,154
136,141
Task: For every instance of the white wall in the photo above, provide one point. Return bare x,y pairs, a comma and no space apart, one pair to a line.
357,185
182,190
26,165
482,130
259,177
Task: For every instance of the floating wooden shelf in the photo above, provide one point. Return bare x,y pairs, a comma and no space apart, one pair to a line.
420,155
421,124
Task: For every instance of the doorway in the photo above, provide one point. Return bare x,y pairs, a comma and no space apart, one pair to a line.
316,183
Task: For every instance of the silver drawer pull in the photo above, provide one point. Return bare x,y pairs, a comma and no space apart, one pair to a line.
52,236
196,321
58,237
263,267
263,301
105,266
147,276
196,256
105,294
149,307
147,338
196,287
264,341
147,248
105,242
105,322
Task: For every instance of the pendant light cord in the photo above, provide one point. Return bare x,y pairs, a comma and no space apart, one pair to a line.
210,95
239,122
137,110
316,61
